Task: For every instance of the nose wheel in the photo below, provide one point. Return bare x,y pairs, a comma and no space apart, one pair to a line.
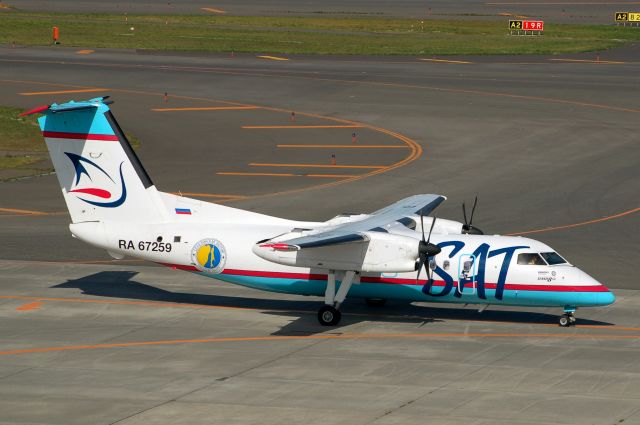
567,319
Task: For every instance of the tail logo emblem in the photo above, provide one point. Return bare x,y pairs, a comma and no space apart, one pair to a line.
80,165
209,255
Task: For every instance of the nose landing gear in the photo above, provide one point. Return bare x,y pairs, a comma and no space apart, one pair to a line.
568,318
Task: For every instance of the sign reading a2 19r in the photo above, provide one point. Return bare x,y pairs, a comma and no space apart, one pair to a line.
533,25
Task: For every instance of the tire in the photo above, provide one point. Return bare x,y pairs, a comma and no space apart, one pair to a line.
564,321
329,316
375,302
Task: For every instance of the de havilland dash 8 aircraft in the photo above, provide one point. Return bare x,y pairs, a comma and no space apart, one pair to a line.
114,205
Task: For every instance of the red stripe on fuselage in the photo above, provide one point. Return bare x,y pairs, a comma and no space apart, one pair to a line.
398,281
80,136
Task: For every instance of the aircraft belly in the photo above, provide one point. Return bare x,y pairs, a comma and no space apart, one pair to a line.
411,292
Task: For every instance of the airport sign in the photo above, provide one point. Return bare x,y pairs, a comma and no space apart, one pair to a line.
515,25
533,25
622,16
634,16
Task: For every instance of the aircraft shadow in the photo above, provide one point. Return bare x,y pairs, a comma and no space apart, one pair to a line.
120,285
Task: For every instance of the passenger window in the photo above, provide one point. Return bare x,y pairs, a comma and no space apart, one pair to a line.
531,259
553,258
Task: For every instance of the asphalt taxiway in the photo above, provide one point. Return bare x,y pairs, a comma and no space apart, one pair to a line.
549,144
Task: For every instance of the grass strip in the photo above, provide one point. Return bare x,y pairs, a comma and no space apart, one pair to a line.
303,35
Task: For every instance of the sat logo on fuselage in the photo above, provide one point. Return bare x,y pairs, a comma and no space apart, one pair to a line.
98,189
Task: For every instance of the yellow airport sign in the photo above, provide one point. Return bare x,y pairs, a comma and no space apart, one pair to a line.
515,25
622,16
634,16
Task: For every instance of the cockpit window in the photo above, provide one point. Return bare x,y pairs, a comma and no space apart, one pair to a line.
531,259
553,258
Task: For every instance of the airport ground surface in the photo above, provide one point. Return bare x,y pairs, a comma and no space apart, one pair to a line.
544,142
599,12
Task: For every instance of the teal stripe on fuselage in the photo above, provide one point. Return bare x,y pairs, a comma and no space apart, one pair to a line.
414,292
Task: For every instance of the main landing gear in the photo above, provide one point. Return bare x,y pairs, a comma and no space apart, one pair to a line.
329,314
568,318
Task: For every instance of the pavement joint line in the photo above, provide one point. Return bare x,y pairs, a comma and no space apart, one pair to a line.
273,58
444,61
343,146
346,336
263,127
255,164
39,93
588,61
207,108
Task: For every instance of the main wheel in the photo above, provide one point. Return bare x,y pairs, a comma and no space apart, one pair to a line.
375,302
564,320
328,315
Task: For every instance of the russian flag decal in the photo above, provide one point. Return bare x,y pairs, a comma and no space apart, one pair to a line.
185,211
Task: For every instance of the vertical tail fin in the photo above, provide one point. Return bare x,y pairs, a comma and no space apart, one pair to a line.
101,177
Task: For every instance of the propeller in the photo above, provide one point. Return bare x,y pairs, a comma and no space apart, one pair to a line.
426,249
467,227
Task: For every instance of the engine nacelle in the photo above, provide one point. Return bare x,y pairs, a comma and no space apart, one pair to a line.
380,253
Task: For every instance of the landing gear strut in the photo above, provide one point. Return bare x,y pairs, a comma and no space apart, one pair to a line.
568,318
329,314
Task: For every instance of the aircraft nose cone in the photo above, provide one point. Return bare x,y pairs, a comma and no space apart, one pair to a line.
607,297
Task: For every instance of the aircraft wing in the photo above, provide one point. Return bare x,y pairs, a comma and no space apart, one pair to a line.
355,231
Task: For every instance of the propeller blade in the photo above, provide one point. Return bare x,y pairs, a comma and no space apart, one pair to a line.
433,223
422,224
473,210
420,266
464,213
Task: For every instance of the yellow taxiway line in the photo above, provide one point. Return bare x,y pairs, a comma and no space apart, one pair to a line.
27,212
329,176
254,164
586,61
207,108
213,10
270,127
273,58
443,61
345,146
37,93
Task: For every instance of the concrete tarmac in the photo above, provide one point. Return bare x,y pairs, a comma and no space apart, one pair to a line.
549,145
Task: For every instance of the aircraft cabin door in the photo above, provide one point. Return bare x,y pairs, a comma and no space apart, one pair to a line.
467,269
